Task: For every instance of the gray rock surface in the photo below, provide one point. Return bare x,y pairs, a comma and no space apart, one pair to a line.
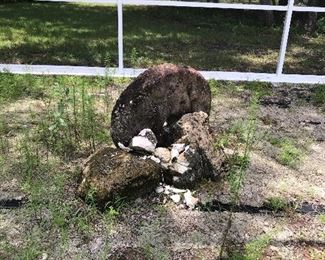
193,128
192,167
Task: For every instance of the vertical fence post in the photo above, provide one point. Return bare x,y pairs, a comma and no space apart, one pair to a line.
120,35
285,36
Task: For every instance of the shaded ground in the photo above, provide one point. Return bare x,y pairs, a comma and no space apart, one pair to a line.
287,164
206,39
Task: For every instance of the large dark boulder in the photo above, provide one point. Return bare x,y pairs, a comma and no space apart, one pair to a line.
113,173
163,93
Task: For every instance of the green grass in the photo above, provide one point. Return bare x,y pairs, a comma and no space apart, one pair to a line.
43,157
79,34
289,154
277,203
319,96
254,249
322,218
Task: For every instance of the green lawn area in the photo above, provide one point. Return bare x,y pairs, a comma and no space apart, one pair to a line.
79,34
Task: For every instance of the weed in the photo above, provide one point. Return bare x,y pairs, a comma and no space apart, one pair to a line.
4,143
214,87
239,164
73,122
13,87
235,178
289,154
255,249
277,203
258,89
91,196
30,157
322,218
319,96
321,25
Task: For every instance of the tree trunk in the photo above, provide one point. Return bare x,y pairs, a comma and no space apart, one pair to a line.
268,16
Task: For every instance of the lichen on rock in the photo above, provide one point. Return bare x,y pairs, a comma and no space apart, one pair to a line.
113,173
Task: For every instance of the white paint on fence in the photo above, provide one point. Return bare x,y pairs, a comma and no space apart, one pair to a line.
126,72
120,35
115,72
285,37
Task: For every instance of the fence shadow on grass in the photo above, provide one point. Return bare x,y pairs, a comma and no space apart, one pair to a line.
207,39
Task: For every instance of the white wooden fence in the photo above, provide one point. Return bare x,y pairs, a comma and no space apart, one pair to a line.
121,71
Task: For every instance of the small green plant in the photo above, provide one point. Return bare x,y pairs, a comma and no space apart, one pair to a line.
255,249
319,96
277,203
235,178
30,157
91,196
259,89
214,87
239,163
322,218
321,25
134,57
72,122
289,154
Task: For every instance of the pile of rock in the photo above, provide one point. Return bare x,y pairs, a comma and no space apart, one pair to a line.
178,195
160,126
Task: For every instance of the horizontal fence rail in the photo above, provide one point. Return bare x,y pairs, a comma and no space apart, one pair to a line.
130,72
120,71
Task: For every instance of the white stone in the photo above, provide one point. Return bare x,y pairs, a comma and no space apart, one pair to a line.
142,143
176,198
190,201
179,147
124,148
155,159
174,154
163,154
149,135
175,190
159,189
182,160
179,168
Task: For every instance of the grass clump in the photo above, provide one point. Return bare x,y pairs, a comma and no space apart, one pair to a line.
76,118
14,87
71,119
254,250
289,154
322,218
319,96
238,164
277,204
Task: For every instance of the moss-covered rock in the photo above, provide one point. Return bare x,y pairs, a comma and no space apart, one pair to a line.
113,173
